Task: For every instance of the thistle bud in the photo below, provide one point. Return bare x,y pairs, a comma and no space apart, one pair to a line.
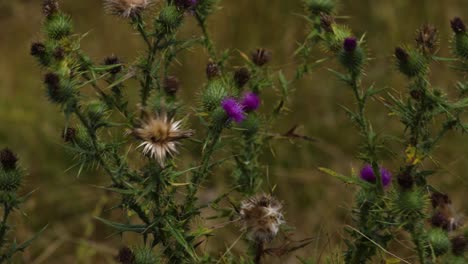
352,56
439,240
171,85
459,245
320,6
145,255
219,119
460,47
96,110
8,159
427,39
250,125
241,77
69,135
411,204
261,57
126,256
212,70
58,27
261,217
411,63
169,19
50,7
10,180
113,61
213,94
457,25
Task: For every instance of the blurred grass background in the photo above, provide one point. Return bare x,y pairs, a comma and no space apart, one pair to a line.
316,205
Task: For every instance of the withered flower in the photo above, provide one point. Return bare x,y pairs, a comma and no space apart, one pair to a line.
160,135
427,38
261,217
126,8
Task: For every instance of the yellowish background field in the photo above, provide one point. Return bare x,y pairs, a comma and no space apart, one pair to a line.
316,204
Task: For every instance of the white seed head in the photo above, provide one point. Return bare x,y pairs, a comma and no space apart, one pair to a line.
261,217
160,136
126,8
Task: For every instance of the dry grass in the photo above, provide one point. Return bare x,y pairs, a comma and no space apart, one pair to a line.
317,205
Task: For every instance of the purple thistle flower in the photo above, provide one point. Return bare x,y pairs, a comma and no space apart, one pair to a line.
350,44
233,109
367,174
250,102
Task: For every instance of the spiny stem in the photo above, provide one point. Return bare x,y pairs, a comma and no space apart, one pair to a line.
206,37
258,252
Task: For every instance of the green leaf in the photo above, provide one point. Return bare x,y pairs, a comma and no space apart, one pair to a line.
179,237
345,179
123,227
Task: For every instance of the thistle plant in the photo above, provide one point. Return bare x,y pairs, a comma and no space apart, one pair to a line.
11,179
386,205
137,142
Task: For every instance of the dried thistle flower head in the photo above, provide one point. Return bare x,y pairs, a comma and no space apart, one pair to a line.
50,7
160,135
126,8
261,217
427,38
326,22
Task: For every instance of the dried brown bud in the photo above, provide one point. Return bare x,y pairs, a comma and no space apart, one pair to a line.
439,199
405,181
8,159
242,77
171,85
50,7
38,49
401,54
458,245
212,70
440,220
69,134
126,256
457,25
327,21
261,57
111,61
427,38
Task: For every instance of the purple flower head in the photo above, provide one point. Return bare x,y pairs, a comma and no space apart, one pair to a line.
250,102
233,109
367,174
350,44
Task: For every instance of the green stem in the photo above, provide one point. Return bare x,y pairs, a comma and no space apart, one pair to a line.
200,175
4,225
206,37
